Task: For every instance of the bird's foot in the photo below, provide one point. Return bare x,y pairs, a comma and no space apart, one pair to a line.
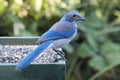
61,53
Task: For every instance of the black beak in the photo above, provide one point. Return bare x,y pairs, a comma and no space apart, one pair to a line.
82,19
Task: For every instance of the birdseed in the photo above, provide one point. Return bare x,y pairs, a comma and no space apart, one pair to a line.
15,53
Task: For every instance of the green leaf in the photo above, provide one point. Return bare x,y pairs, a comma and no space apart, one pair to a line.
25,33
94,22
107,30
14,18
84,51
111,51
110,47
91,41
81,27
113,58
33,27
97,63
69,48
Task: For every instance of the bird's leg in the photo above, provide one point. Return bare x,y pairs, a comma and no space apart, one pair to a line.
61,53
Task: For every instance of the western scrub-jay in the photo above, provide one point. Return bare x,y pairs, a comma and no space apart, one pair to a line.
61,33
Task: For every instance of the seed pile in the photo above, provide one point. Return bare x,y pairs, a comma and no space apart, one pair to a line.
15,53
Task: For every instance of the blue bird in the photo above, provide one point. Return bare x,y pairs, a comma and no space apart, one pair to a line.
61,33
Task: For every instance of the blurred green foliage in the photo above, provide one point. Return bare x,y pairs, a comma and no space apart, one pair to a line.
94,54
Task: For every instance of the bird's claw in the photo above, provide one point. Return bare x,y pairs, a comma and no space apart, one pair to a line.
61,53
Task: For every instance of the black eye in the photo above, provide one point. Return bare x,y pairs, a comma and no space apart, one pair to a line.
74,15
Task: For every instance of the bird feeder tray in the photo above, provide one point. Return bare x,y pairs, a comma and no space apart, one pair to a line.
35,71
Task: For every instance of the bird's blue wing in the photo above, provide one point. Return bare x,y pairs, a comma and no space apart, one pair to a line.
53,35
58,31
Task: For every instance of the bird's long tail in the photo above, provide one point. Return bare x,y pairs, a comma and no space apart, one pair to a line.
27,60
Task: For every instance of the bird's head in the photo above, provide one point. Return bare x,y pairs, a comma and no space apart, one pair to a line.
73,16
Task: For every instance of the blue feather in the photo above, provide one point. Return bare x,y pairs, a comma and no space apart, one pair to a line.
27,60
53,35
